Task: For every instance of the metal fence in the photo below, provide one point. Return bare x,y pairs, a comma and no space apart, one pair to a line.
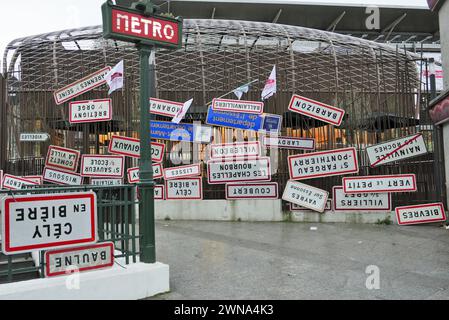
117,223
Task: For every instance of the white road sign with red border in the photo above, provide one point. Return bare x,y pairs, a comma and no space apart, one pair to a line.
289,143
191,170
316,110
37,179
228,105
423,213
62,158
184,189
16,183
106,182
239,170
305,196
235,150
248,191
90,111
295,207
62,177
380,184
361,201
101,166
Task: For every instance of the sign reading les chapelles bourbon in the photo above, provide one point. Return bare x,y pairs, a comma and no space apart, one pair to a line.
131,25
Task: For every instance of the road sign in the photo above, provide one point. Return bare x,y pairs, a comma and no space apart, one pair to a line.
395,150
316,110
90,111
131,25
62,158
192,170
37,179
159,192
100,166
271,123
235,120
361,201
131,147
86,258
164,130
249,191
106,182
16,183
184,189
134,173
380,184
423,213
228,105
323,164
79,87
34,137
62,177
165,107
235,150
305,195
295,207
239,170
36,222
289,143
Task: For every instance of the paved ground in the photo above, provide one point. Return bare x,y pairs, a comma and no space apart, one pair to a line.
235,260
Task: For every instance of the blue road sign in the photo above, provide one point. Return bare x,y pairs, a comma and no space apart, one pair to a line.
272,122
180,132
235,120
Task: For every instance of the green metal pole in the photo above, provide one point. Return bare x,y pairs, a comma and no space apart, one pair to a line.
146,185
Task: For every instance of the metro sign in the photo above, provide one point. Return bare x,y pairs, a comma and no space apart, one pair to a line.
131,25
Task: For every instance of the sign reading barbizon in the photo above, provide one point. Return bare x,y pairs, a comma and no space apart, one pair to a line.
240,170
100,166
62,158
228,105
165,107
241,191
184,189
316,110
36,222
296,207
90,111
235,150
62,177
79,87
380,184
134,173
323,164
91,257
131,148
305,195
361,201
424,213
289,143
395,150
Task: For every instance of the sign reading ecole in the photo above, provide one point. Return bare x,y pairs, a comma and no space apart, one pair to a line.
239,170
90,111
36,222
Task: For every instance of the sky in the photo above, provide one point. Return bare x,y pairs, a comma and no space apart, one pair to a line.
21,18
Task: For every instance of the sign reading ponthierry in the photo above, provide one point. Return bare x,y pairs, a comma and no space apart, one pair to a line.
361,201
77,88
424,213
34,137
289,143
91,257
323,164
62,158
316,110
305,195
228,105
131,25
38,222
90,111
99,166
235,150
184,189
241,191
386,183
182,172
61,177
398,149
131,147
240,170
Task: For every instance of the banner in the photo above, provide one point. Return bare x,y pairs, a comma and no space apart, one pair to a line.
184,189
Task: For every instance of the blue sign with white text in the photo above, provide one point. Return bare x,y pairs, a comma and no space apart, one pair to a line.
236,120
171,131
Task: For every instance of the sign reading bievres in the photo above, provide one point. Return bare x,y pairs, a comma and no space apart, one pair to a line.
316,110
184,189
423,213
235,150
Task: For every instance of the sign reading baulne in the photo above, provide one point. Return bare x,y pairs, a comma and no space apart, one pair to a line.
38,222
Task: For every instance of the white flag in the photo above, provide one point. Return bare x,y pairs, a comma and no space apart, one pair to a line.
181,114
115,78
270,85
241,90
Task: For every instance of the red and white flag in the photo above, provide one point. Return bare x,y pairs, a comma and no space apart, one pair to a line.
182,112
270,85
115,78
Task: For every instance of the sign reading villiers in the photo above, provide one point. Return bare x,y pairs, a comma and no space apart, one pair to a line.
316,110
90,111
305,195
240,170
91,257
79,87
240,191
38,222
323,164
361,201
184,189
424,213
182,172
106,182
228,105
62,158
235,150
62,178
133,173
380,184
131,147
289,143
165,107
99,166
394,150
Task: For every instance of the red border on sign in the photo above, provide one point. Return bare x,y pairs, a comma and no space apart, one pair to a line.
128,172
79,81
261,104
41,178
94,246
58,182
275,184
326,208
242,180
167,102
132,155
185,198
16,178
354,152
289,147
439,204
7,247
334,194
102,175
341,111
162,187
381,191
182,167
72,151
71,104
235,144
